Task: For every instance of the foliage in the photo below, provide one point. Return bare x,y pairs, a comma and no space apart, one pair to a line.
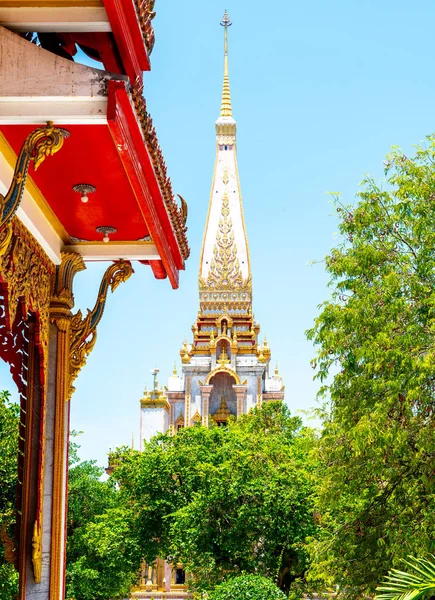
9,422
376,359
247,587
411,585
225,499
103,555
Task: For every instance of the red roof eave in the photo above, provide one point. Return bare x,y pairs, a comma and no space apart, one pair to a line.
129,141
129,38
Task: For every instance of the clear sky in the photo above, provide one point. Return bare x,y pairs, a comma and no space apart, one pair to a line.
320,92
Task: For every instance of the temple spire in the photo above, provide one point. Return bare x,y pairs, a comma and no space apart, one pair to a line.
226,110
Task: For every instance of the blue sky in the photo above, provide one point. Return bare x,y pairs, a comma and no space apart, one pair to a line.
320,92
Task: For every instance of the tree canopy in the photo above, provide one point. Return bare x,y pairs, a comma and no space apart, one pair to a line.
247,587
103,554
376,358
225,499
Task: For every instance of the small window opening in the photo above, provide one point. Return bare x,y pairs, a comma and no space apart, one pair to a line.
180,576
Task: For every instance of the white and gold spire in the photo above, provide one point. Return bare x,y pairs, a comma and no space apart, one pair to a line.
226,109
225,275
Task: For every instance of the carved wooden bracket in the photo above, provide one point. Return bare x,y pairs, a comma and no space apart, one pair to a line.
84,330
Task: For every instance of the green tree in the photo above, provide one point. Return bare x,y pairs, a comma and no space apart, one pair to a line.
9,422
225,499
247,587
376,359
103,554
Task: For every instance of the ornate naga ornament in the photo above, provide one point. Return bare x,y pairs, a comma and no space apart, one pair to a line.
84,330
37,551
10,552
41,143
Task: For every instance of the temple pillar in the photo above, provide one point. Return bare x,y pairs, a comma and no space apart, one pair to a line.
30,424
42,575
187,399
205,395
240,391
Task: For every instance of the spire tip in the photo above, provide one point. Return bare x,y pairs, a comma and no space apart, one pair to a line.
226,21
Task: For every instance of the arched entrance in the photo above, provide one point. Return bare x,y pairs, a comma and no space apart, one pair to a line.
223,400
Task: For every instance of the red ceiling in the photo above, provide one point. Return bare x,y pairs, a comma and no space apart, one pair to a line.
89,155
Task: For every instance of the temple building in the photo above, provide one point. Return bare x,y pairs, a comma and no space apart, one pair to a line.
225,370
82,178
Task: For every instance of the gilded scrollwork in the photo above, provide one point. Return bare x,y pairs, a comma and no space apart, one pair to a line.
84,329
43,142
27,273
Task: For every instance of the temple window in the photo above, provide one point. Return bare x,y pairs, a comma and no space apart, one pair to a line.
179,423
180,576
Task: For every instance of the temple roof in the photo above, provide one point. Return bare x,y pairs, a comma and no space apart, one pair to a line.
225,275
112,148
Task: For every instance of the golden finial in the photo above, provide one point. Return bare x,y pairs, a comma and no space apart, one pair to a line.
174,372
276,370
226,110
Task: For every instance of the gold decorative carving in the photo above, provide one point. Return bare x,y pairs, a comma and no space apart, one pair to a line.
225,273
63,298
5,238
146,13
223,369
258,392
223,413
41,143
185,353
223,357
37,551
27,272
10,551
196,418
179,423
84,330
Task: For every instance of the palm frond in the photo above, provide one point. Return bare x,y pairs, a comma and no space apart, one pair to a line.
408,585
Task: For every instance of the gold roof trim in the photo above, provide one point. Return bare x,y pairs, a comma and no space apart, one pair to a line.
223,369
177,214
154,399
